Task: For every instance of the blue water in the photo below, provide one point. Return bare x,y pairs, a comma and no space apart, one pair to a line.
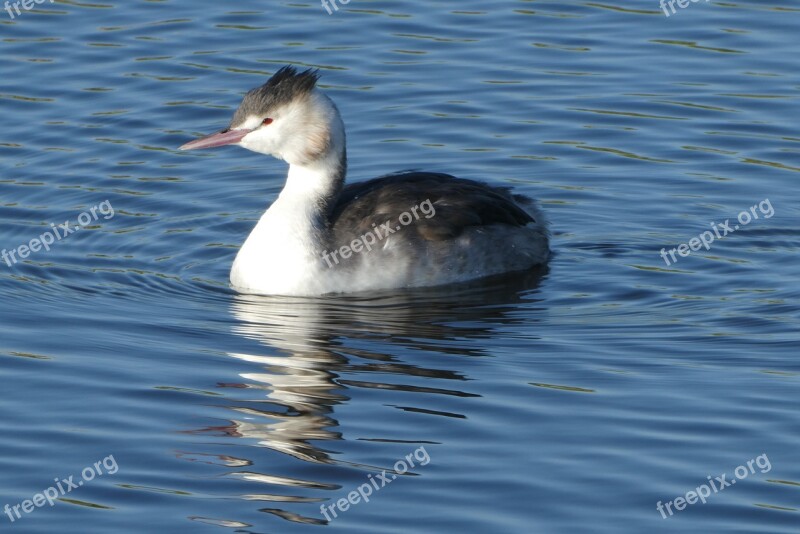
571,400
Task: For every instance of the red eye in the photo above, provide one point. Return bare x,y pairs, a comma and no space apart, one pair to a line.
266,122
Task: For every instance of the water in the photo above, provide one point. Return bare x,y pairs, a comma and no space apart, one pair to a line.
573,399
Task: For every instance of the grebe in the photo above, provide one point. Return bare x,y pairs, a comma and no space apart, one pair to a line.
410,229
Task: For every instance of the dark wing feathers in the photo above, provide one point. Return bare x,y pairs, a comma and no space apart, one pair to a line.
459,204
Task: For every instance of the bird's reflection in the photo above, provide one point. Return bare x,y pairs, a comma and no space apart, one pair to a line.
316,350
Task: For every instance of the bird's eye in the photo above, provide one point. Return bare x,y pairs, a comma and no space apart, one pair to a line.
266,122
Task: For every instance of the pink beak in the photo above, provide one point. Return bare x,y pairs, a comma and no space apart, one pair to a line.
223,138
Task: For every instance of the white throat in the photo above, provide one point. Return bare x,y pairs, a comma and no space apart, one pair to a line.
283,254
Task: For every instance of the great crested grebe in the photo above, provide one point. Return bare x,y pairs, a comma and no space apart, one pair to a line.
410,229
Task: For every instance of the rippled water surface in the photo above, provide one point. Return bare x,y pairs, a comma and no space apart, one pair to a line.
570,400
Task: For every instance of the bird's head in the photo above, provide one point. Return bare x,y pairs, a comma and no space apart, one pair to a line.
287,117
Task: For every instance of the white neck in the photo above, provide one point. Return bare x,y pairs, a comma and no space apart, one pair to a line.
283,254
318,182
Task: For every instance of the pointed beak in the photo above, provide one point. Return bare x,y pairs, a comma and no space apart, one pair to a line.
223,138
